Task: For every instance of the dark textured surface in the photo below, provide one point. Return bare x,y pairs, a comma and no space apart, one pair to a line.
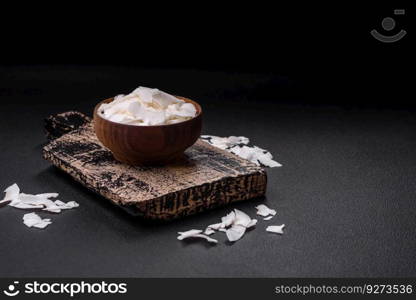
346,190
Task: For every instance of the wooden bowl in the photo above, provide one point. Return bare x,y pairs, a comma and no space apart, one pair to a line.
148,145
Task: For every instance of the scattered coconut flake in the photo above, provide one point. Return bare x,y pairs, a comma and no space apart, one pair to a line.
252,223
228,219
194,233
234,224
264,211
33,220
241,218
209,231
211,240
216,226
238,146
256,155
276,228
235,232
225,142
40,201
68,205
236,140
29,201
185,234
22,205
12,193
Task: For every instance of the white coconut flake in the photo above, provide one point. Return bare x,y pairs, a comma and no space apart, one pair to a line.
276,228
235,224
236,140
252,223
235,232
209,231
216,226
12,193
225,142
268,218
238,146
33,220
211,240
241,218
194,233
185,234
228,219
256,155
264,211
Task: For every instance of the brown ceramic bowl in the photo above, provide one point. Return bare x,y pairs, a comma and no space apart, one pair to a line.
148,145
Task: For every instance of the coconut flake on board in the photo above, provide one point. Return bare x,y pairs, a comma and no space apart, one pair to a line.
276,228
225,142
238,146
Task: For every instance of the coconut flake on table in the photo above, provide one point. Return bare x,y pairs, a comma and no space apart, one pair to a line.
264,211
12,193
233,224
238,146
33,220
194,233
228,219
239,225
216,226
146,106
209,231
40,201
235,232
276,228
252,223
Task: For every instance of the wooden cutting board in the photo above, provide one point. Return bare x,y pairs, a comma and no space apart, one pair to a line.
206,178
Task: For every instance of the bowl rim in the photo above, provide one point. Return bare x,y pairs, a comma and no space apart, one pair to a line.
196,104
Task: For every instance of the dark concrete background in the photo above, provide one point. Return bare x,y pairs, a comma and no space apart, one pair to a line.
346,191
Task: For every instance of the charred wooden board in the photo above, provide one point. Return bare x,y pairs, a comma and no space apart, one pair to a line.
57,125
206,178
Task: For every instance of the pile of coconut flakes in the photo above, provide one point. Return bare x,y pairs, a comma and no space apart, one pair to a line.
238,146
234,225
43,202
